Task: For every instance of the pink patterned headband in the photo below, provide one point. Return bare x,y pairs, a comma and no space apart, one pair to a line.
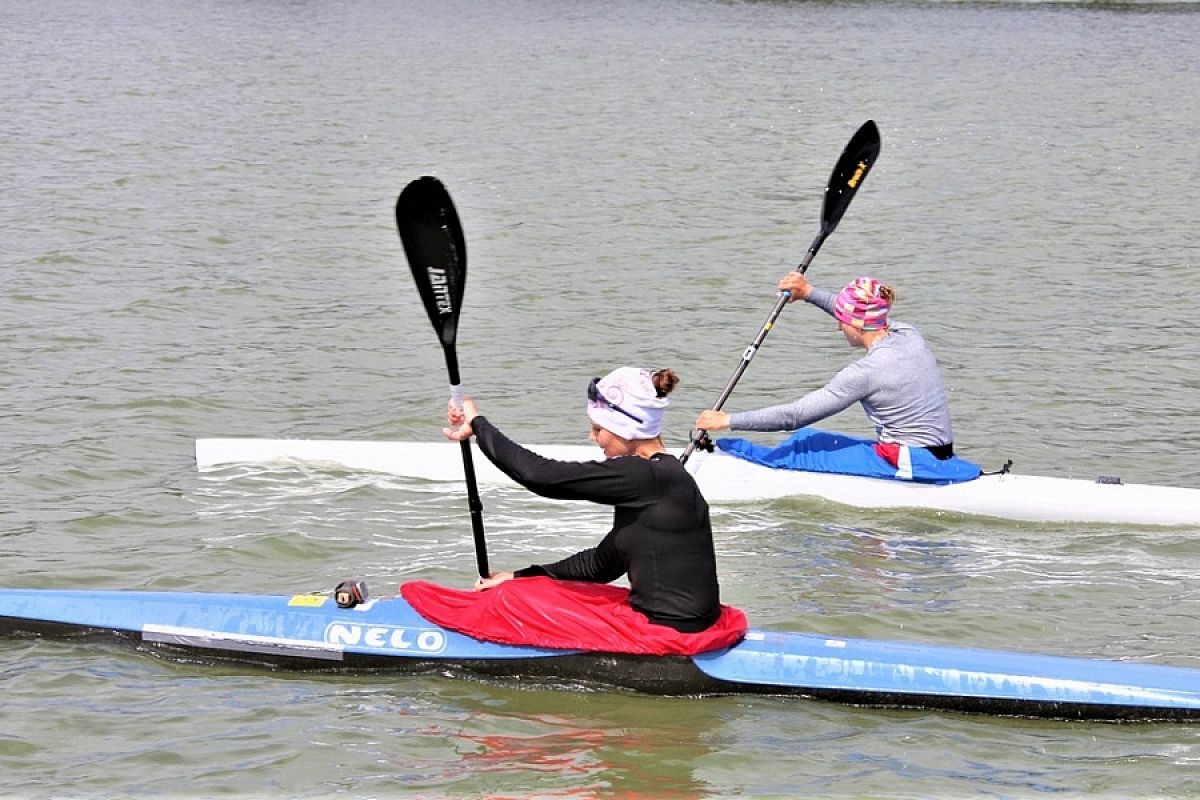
861,306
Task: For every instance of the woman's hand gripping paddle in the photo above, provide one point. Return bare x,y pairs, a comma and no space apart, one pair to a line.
437,255
848,174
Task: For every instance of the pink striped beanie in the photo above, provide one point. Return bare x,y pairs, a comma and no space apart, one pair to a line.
860,305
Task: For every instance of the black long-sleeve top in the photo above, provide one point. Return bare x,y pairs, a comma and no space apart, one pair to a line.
661,535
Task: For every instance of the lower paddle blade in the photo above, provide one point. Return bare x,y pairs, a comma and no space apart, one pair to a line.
848,174
436,250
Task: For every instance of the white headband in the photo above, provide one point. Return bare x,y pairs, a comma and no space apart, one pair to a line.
627,393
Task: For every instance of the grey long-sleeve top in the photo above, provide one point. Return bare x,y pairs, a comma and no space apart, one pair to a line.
898,383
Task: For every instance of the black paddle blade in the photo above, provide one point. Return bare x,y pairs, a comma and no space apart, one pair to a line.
848,174
436,251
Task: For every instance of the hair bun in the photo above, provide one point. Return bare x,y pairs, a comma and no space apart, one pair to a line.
665,381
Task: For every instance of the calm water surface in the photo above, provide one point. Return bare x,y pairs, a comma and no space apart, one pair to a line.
198,242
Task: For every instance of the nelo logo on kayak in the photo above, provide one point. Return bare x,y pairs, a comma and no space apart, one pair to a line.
386,637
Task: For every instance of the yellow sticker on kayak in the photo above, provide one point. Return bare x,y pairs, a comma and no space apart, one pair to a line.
311,600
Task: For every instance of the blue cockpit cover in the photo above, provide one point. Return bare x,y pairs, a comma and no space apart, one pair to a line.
814,450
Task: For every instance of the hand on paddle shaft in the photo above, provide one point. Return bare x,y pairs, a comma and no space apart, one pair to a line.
460,418
437,256
848,174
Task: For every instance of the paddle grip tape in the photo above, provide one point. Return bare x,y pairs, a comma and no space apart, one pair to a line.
456,397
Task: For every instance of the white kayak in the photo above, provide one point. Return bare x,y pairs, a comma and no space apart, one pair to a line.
726,479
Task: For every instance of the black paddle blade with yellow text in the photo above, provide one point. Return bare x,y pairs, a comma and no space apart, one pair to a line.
849,173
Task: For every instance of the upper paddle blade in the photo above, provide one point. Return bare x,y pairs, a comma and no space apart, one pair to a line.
848,174
436,251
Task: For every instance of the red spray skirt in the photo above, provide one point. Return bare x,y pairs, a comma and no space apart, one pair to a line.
568,615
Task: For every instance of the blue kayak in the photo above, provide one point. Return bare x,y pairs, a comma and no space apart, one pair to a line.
312,632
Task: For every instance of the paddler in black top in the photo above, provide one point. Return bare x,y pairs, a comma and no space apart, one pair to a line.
661,535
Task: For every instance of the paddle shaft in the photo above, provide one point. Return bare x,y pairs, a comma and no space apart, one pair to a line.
473,502
848,174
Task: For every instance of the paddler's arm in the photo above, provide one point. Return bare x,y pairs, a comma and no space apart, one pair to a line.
597,481
847,388
600,564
